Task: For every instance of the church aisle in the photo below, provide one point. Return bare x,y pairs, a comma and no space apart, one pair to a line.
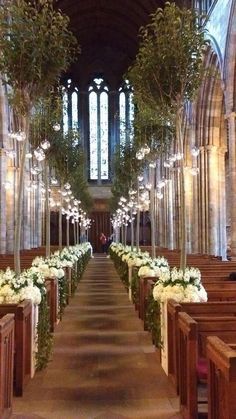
104,365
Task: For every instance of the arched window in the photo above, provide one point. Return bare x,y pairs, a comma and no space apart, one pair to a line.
126,113
70,106
98,131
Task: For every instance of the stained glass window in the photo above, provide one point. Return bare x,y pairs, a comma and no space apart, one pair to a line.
126,113
93,139
65,112
98,130
74,110
122,118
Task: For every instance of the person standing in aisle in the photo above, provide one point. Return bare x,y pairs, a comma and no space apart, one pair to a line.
103,241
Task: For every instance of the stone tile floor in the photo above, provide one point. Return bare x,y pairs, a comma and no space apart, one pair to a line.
104,365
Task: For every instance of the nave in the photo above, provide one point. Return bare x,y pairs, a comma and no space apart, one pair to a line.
104,365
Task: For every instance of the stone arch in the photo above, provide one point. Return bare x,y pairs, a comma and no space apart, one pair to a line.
210,106
209,132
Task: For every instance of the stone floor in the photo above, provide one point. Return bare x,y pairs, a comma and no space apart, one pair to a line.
104,365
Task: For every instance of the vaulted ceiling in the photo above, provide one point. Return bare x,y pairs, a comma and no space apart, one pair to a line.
107,31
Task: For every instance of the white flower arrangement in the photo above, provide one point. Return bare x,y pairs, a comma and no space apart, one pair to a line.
154,267
15,289
181,286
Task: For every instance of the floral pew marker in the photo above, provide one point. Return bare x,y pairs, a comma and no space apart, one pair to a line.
182,287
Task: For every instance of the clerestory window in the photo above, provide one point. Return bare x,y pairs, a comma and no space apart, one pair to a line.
98,131
126,113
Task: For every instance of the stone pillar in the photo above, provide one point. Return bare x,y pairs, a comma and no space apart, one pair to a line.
195,245
188,188
222,204
3,228
10,209
203,219
213,199
232,176
170,230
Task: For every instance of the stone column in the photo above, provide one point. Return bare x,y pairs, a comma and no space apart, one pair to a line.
213,199
170,221
222,204
195,246
3,228
10,209
203,219
232,176
188,188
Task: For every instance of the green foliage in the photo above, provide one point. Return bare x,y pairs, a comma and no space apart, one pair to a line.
63,295
135,286
121,267
44,336
36,46
126,168
169,66
152,320
67,157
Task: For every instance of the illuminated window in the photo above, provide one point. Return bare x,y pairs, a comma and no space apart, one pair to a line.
70,106
98,130
126,113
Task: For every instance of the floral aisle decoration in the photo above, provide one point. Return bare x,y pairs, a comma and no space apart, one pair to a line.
31,285
181,286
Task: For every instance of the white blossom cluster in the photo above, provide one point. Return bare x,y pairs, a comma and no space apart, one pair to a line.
31,283
181,286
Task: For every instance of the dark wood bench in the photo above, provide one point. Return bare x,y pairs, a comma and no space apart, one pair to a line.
7,325
226,308
221,383
23,332
192,336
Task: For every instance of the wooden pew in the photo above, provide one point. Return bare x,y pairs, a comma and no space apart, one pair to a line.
7,325
214,309
52,301
192,334
221,379
23,330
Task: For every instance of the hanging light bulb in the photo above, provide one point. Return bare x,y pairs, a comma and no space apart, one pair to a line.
159,195
179,156
34,185
167,163
7,185
35,170
21,136
194,171
39,154
161,184
67,186
146,149
148,186
140,155
29,155
56,127
11,154
45,145
195,151
54,181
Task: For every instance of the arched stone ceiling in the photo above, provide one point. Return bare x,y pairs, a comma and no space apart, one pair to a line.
107,31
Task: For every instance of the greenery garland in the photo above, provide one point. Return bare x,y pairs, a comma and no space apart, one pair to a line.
135,286
63,295
152,320
45,338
